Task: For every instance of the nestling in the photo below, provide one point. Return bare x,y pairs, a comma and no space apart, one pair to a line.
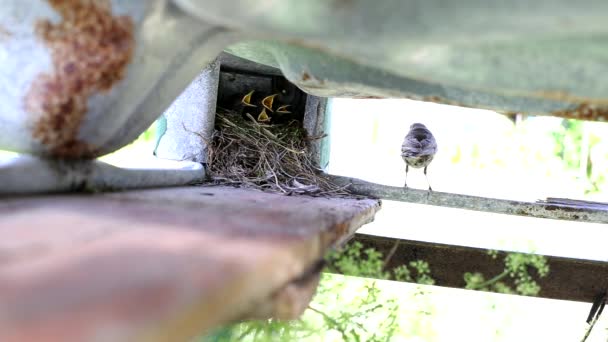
268,114
418,149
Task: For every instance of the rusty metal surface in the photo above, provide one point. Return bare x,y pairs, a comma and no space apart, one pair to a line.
161,264
79,78
568,279
90,48
548,210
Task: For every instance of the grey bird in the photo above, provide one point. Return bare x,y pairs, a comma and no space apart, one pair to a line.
418,149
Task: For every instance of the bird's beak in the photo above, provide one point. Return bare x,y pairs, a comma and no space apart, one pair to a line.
263,117
268,100
283,109
247,99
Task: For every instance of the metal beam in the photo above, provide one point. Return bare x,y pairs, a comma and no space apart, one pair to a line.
316,122
561,210
190,119
547,61
568,279
29,175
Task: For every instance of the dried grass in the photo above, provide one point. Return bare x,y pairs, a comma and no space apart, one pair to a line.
272,158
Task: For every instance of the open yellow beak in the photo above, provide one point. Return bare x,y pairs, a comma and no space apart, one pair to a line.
283,109
267,102
247,99
263,117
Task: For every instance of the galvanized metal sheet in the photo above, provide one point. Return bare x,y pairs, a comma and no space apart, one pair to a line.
189,121
28,174
546,57
79,79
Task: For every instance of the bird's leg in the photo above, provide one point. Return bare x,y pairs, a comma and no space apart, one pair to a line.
406,169
427,180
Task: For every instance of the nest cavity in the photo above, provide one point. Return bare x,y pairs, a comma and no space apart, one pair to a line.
276,158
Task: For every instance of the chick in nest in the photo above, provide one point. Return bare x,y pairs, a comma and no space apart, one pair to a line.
267,104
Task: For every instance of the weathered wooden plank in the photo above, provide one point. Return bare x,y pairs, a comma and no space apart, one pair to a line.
562,210
161,264
568,279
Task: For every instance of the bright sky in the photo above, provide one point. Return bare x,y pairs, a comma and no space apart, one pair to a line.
512,163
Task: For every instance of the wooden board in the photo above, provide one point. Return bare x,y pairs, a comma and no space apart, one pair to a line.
163,264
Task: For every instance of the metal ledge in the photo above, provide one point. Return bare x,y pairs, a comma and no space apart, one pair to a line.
560,210
28,175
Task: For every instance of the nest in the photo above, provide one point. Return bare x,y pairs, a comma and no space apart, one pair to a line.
272,158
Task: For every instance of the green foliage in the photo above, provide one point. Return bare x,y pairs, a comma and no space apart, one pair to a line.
357,262
571,151
424,272
149,134
368,316
142,146
355,308
344,308
572,148
567,142
268,330
517,267
369,263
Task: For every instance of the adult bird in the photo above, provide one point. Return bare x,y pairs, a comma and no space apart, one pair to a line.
418,149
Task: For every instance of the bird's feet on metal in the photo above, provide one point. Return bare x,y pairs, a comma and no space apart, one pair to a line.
428,194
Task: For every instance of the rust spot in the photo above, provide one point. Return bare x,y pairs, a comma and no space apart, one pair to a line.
561,95
90,50
434,98
585,111
305,76
369,97
5,34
